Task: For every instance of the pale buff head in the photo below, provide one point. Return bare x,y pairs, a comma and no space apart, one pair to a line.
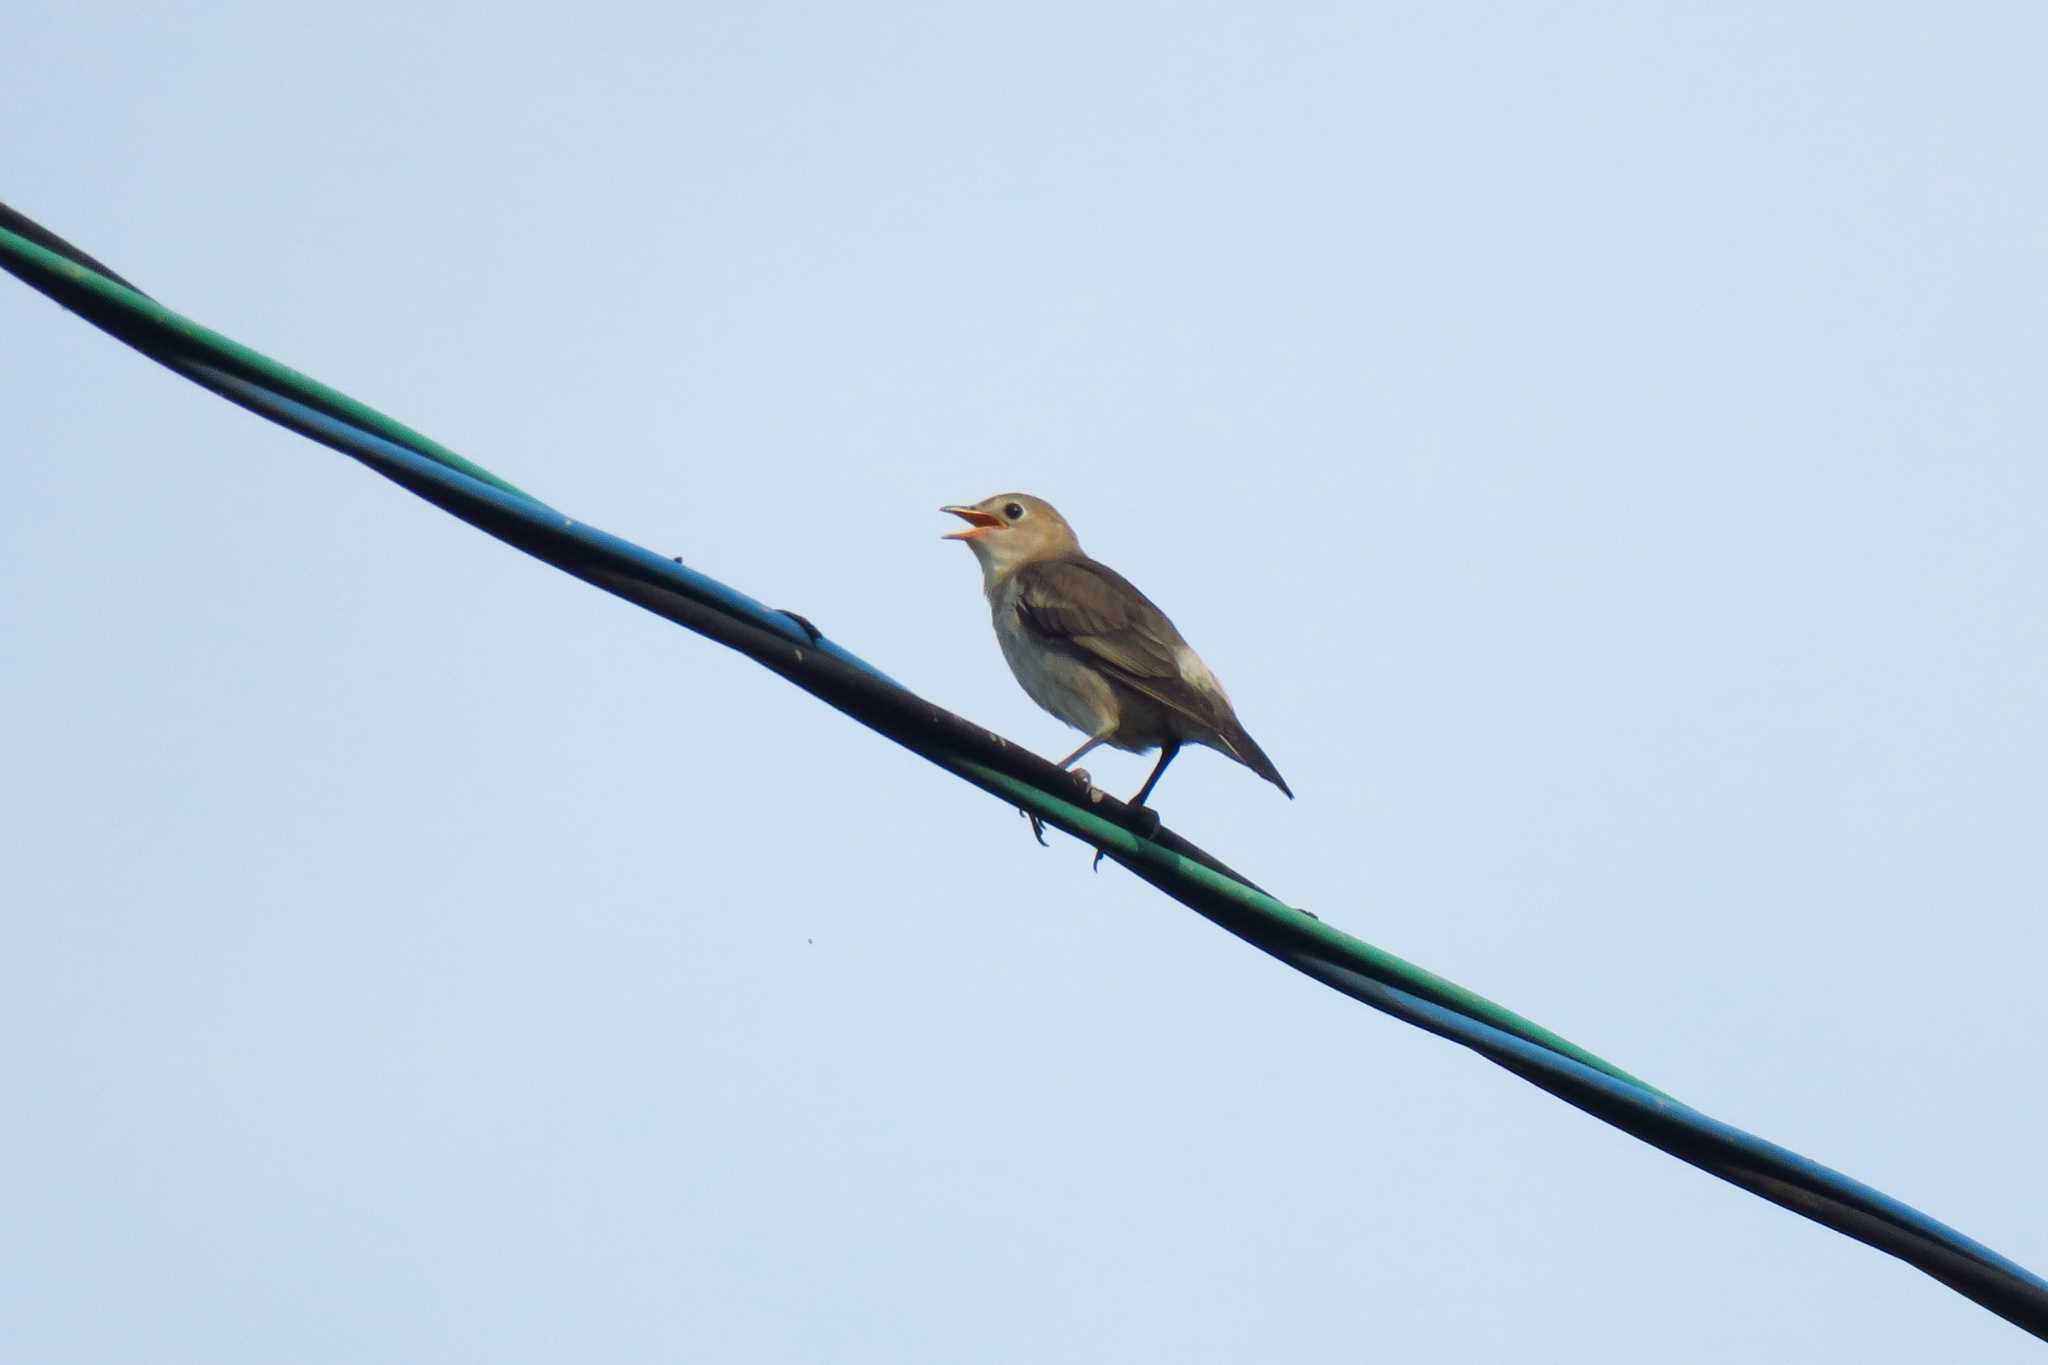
1012,529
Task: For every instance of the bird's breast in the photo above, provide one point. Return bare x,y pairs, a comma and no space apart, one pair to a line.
1056,680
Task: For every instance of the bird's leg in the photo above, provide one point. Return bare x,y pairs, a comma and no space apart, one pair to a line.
1081,774
1166,753
1147,818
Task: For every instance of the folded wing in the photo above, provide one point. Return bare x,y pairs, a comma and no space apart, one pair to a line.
1096,614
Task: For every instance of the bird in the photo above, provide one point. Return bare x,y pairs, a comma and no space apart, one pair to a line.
1090,648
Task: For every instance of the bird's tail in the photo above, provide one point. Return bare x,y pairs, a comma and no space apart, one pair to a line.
1239,744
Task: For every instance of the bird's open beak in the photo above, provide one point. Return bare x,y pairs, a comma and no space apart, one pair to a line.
979,523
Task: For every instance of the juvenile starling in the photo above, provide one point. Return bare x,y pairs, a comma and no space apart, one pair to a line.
1093,650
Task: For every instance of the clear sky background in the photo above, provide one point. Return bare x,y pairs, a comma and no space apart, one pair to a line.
1600,446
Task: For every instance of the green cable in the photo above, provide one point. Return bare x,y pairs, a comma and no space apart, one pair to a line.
189,337
1280,926
1280,920
1293,936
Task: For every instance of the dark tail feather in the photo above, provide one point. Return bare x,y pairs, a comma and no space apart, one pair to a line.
1242,747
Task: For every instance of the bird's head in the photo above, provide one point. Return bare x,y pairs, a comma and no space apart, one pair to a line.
1011,529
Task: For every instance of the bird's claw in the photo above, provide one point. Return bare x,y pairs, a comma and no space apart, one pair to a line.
1037,827
1144,824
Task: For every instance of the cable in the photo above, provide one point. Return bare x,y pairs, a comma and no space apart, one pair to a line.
788,646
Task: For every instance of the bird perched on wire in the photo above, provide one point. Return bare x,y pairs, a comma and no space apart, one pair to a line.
1090,648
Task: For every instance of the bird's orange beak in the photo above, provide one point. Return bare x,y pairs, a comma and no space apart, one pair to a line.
979,523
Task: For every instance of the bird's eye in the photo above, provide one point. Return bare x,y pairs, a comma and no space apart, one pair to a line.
1014,511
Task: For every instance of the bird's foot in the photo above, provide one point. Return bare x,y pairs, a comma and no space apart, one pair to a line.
1144,824
1090,793
1037,827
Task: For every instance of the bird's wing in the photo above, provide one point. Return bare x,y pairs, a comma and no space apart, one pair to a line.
1093,612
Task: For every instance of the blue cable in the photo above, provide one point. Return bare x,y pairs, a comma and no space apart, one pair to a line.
1721,1149
1764,1168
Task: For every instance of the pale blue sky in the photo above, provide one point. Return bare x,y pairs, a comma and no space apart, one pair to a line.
1601,447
